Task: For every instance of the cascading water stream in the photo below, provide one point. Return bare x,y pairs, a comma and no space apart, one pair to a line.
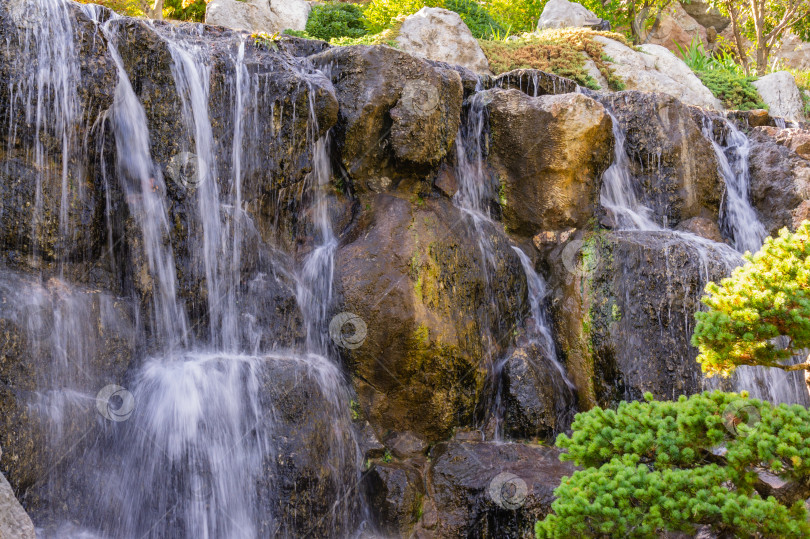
196,453
473,196
739,219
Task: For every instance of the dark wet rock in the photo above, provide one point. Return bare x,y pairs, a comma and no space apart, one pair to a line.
399,115
548,153
446,181
59,346
535,394
395,493
413,273
624,314
314,456
490,489
780,181
535,83
675,165
747,119
297,46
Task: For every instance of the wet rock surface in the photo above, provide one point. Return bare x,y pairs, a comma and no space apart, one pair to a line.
548,153
414,274
672,161
624,312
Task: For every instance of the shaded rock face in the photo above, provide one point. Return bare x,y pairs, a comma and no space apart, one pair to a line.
439,34
706,15
535,395
780,178
487,489
267,16
396,493
414,274
398,117
624,312
674,164
548,153
60,346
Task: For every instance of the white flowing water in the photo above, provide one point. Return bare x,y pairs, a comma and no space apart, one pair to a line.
191,449
741,223
619,198
473,198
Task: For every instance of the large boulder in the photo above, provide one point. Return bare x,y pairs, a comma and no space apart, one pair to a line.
675,27
656,69
439,34
399,115
673,163
536,398
780,177
14,521
548,153
706,15
490,489
779,91
623,306
434,314
793,52
268,16
563,14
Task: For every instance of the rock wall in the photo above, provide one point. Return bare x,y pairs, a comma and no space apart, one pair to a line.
427,311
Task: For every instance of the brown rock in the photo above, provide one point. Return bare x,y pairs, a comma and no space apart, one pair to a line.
414,274
398,115
676,27
549,153
702,227
446,181
489,489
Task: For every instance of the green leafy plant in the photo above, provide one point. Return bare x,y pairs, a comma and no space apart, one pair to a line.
336,19
803,82
695,56
560,51
475,16
669,466
518,15
733,89
766,299
381,14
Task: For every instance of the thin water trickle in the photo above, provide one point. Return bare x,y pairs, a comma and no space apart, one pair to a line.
473,198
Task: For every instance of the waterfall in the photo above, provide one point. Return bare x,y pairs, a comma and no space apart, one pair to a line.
619,197
473,198
190,447
739,220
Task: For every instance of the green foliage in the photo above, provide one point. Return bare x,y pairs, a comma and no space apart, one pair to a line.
132,8
766,298
335,19
476,17
733,89
721,74
803,82
518,15
381,14
185,10
651,467
560,51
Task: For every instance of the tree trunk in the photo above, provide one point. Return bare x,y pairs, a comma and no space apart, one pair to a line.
154,9
738,42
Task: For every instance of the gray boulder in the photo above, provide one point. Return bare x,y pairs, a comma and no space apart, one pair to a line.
439,34
779,91
563,14
268,16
